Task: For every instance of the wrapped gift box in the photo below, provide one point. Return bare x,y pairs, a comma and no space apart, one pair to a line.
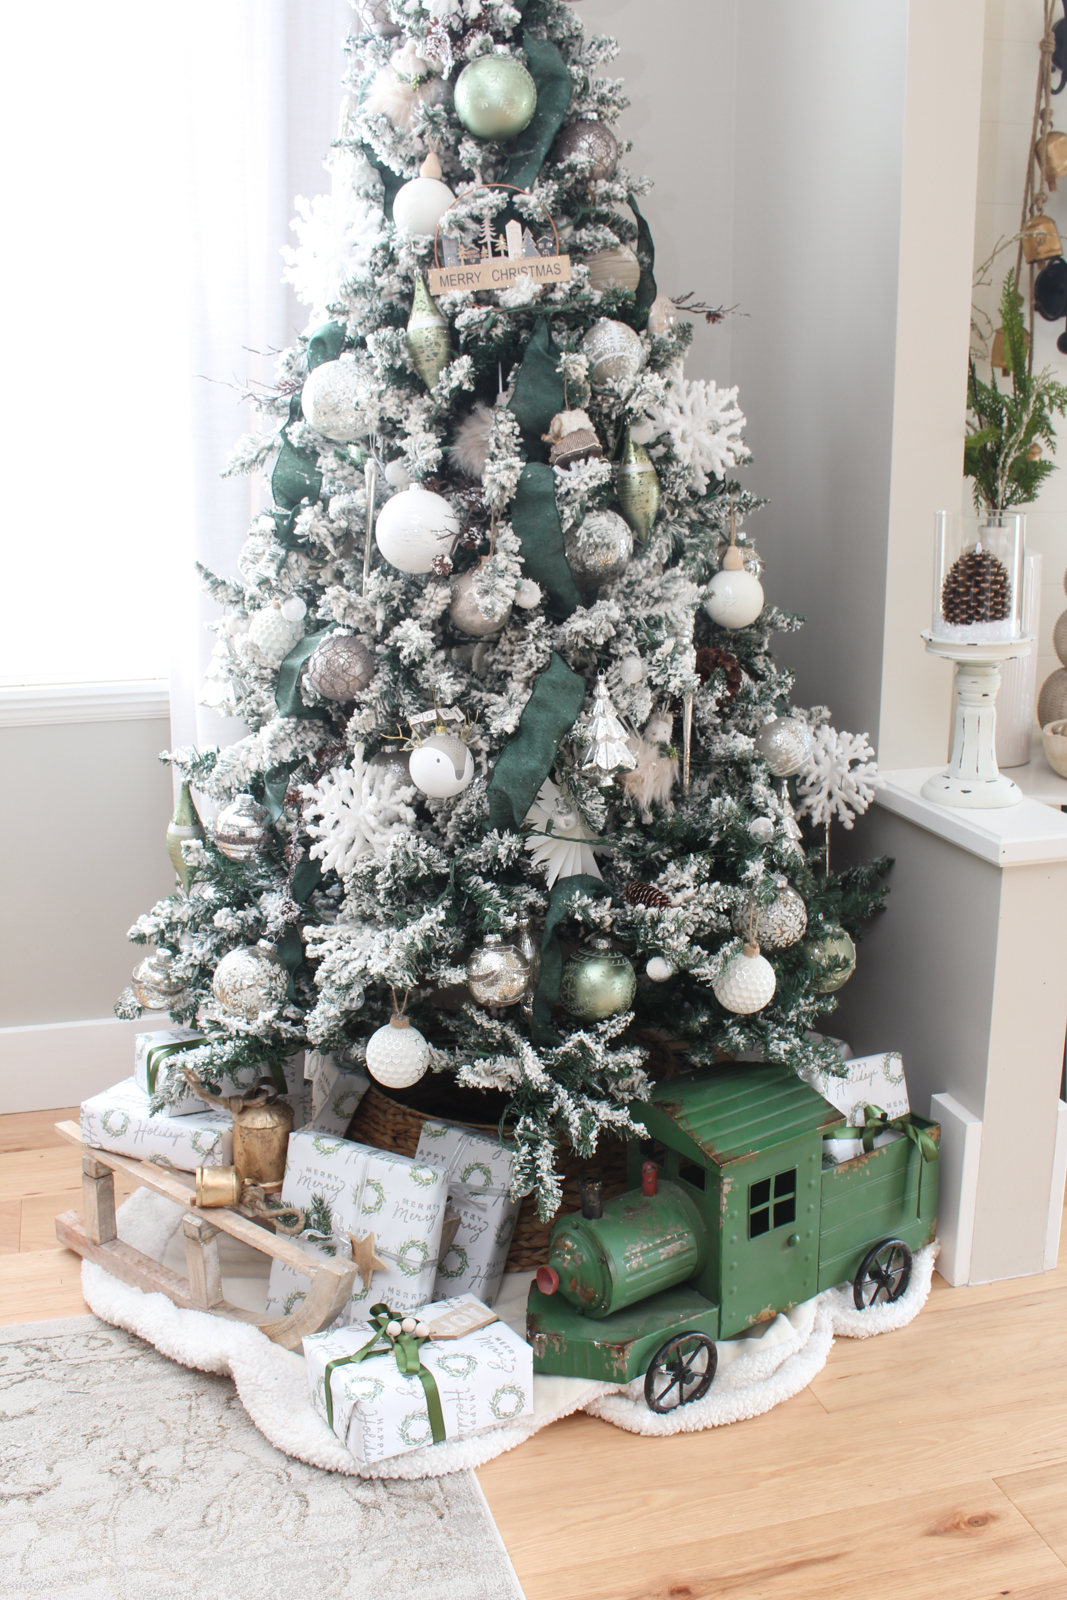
483,1379
479,1172
877,1080
336,1091
121,1119
167,1070
349,1188
838,1150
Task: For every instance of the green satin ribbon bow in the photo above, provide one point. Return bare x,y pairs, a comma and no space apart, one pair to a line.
159,1053
876,1121
405,1347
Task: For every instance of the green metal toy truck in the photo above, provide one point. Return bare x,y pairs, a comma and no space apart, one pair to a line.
732,1218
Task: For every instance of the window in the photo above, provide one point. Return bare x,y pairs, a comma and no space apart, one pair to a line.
772,1203
693,1173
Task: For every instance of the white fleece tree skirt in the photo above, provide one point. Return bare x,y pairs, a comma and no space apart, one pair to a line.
753,1374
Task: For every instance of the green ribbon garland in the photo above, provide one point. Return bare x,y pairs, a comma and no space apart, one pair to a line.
296,479
876,1121
539,392
325,344
524,763
392,182
646,255
535,519
564,891
159,1053
287,689
553,79
405,1348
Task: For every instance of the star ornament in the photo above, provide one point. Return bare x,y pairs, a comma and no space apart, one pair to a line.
364,1259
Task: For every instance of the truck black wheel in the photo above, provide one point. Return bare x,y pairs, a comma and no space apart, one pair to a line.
884,1274
680,1371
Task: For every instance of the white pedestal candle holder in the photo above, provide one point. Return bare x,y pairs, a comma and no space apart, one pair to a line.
973,779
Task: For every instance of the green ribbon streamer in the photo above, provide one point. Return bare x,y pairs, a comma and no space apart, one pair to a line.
405,1348
646,255
275,787
564,891
523,765
159,1053
535,519
876,1121
325,344
392,182
539,391
296,479
290,952
552,77
287,689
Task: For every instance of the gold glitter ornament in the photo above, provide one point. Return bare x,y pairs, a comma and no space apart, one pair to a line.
637,488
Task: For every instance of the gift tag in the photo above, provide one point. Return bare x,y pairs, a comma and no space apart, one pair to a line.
466,1318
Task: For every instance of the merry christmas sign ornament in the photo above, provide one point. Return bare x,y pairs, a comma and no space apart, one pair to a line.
496,259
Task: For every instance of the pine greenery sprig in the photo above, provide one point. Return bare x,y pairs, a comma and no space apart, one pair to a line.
1004,426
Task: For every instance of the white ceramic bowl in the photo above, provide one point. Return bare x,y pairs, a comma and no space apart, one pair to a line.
1054,738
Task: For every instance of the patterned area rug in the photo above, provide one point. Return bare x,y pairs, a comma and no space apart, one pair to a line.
128,1477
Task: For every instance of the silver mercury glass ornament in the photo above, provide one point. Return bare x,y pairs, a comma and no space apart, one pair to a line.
250,980
154,983
470,615
785,743
340,667
243,829
497,973
776,926
599,549
598,982
591,142
615,352
608,751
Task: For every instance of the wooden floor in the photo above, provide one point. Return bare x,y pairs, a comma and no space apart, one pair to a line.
927,1463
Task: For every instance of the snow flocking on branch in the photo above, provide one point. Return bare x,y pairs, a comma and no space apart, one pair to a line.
841,777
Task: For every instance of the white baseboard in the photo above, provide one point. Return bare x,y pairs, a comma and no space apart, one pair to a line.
1059,1182
62,1063
961,1146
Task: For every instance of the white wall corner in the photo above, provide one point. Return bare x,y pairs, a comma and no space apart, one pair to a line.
1059,1184
61,1064
961,1148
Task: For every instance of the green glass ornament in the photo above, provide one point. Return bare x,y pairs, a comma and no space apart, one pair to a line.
495,97
638,488
184,824
833,960
598,982
429,339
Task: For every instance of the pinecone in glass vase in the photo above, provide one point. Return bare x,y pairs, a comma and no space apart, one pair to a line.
976,589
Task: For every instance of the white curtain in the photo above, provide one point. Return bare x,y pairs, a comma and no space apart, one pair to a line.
264,94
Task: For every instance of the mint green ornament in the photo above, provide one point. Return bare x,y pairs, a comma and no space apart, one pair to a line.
495,97
185,824
833,960
597,982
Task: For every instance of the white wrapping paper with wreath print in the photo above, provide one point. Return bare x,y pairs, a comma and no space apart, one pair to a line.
336,1092
121,1120
870,1080
167,1069
479,1172
349,1188
483,1379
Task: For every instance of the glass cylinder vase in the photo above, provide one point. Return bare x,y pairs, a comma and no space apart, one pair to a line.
978,578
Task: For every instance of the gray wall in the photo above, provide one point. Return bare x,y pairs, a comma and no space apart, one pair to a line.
84,809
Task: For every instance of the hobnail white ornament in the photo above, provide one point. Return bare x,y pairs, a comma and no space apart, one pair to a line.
397,1055
414,527
441,766
273,633
746,984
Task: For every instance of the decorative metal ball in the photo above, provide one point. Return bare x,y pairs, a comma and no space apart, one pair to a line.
598,982
397,1055
833,960
330,401
776,926
393,760
591,143
785,743
614,269
746,984
1052,701
495,97
615,352
243,829
154,983
340,667
468,613
250,980
273,633
599,549
413,527
498,974
441,766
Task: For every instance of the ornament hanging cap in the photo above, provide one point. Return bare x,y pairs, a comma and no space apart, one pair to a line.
431,167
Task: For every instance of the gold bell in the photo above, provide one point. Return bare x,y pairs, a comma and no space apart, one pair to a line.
1040,239
218,1186
1052,154
261,1129
999,354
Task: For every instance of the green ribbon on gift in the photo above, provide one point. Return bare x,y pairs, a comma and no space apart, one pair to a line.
539,391
646,255
535,519
287,689
876,1122
159,1053
564,891
524,764
325,344
553,79
405,1348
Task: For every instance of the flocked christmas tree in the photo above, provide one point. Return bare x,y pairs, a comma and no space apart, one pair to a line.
516,798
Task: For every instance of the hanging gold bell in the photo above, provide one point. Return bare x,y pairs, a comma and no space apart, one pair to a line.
998,355
1041,239
429,339
1052,154
638,488
261,1127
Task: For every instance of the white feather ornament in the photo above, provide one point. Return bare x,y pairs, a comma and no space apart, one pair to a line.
469,451
404,84
655,775
559,831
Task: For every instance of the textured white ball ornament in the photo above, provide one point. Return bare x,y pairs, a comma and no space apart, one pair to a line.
441,766
331,401
273,634
414,527
397,1055
735,597
419,205
659,969
746,983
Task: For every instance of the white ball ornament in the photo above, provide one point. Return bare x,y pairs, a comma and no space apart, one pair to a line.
441,766
273,633
414,527
294,609
747,982
762,829
659,969
393,1328
333,401
408,1325
735,597
419,205
397,1055
528,594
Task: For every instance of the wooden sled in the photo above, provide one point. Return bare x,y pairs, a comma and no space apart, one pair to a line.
96,1238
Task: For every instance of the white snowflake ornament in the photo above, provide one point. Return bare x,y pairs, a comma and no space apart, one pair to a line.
355,811
556,842
703,424
840,778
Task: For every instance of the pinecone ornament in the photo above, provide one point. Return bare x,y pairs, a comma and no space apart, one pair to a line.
645,894
976,589
710,660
